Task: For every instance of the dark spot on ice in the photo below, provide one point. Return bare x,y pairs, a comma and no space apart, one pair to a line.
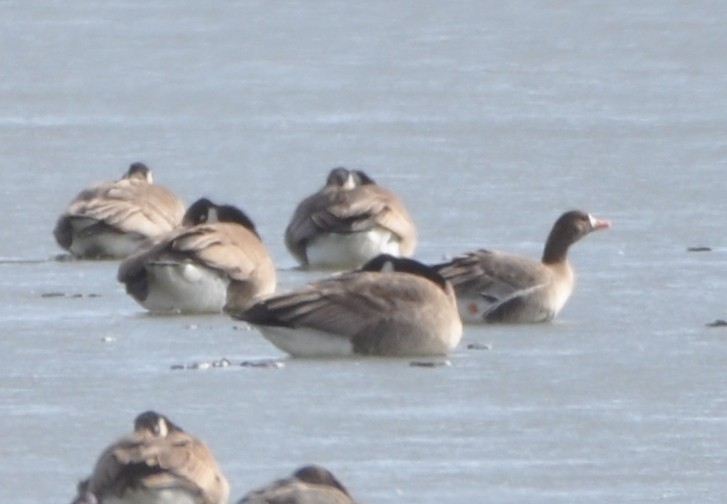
479,346
52,294
263,363
225,362
718,323
430,364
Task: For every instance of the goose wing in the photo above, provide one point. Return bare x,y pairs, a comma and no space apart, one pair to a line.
309,484
229,248
493,275
177,460
226,247
387,211
293,491
129,205
346,305
349,211
339,305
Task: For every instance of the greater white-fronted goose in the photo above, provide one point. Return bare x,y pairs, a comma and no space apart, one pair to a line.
158,463
390,307
311,484
215,258
111,220
349,221
494,286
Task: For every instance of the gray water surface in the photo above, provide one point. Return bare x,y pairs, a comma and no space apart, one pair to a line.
489,119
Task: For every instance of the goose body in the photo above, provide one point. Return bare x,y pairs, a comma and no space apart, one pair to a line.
390,307
496,286
348,222
158,463
113,219
310,484
214,259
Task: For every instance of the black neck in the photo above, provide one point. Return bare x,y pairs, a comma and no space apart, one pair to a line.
556,249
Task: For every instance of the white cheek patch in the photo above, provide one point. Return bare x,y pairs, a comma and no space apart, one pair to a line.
163,430
350,182
598,223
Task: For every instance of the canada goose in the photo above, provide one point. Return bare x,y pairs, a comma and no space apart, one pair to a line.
158,463
215,257
349,221
494,286
390,307
310,484
111,220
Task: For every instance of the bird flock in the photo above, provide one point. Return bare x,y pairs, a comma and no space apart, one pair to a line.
373,299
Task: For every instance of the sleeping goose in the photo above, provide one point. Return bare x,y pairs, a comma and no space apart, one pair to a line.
310,484
158,463
349,221
113,219
215,257
494,286
390,307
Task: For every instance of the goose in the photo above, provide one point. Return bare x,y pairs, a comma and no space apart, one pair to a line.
311,484
216,257
390,307
158,463
349,221
111,220
495,286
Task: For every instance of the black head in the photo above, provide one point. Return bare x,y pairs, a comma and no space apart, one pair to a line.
317,475
156,424
575,224
230,213
339,177
387,262
347,179
198,212
363,179
139,170
568,229
203,211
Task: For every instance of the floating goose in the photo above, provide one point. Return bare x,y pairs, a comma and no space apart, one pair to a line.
390,307
158,463
349,221
215,258
494,286
310,484
111,220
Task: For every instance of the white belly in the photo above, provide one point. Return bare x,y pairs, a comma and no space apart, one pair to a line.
560,296
164,496
351,250
307,342
110,244
185,287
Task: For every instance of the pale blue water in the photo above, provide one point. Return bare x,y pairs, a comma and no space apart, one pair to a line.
489,119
